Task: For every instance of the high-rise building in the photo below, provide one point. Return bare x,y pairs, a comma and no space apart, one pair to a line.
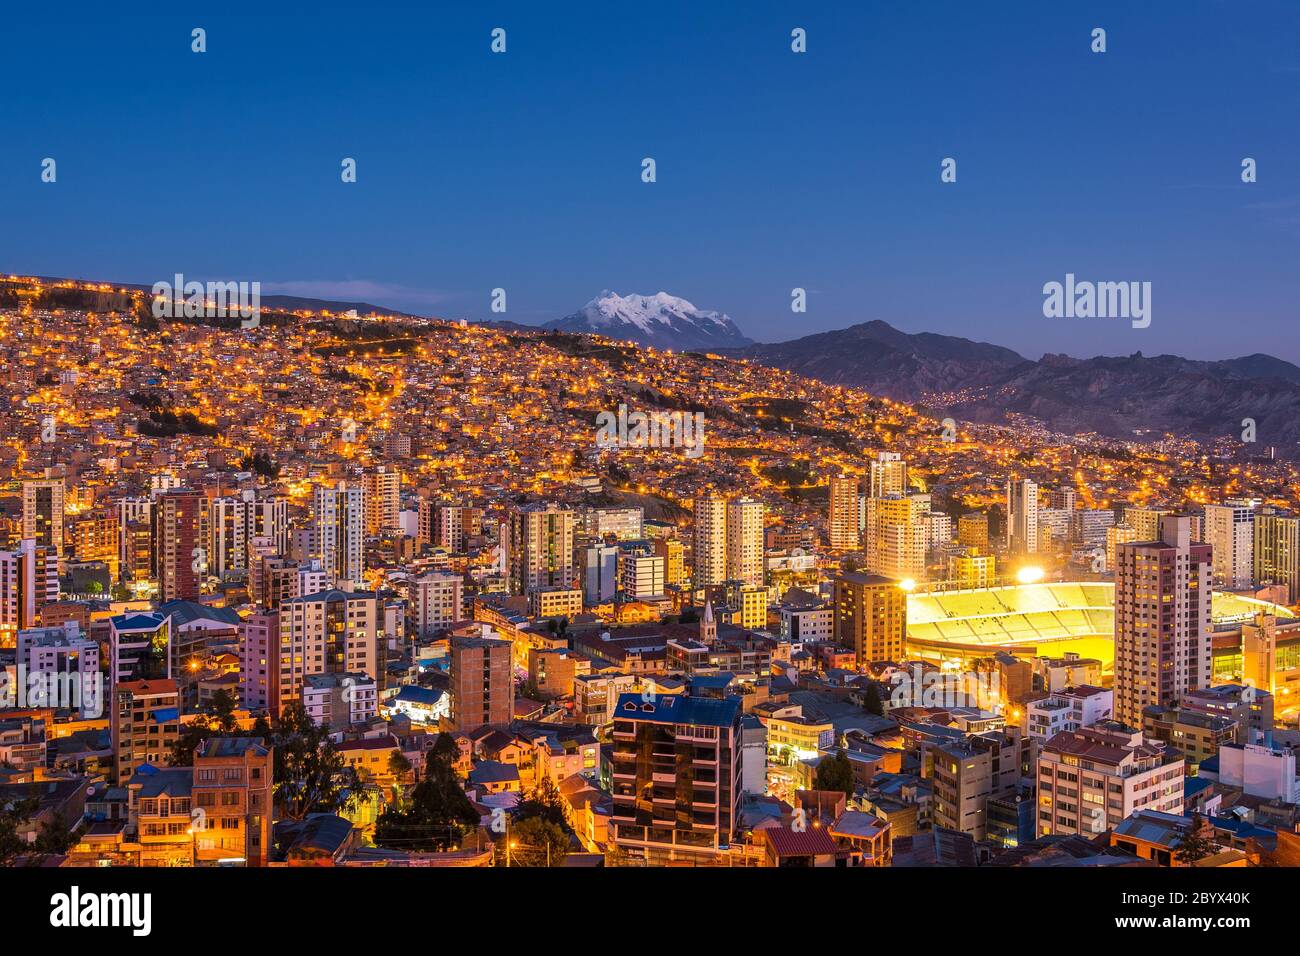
672,551
140,646
972,569
888,475
259,662
753,607
62,664
382,487
237,525
233,780
444,525
135,524
938,529
1089,525
1117,535
968,773
144,723
1162,620
97,537
332,632
1230,531
181,561
626,524
676,776
745,541
1277,552
1022,517
1092,778
268,518
1145,522
870,616
641,576
434,601
228,522
43,513
340,531
973,530
481,681
29,580
540,548
599,573
710,557
897,536
842,525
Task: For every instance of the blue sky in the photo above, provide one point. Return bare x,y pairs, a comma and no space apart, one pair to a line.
775,170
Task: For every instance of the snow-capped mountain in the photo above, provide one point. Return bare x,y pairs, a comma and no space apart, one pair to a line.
660,320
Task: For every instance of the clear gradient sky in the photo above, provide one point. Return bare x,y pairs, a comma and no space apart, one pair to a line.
775,170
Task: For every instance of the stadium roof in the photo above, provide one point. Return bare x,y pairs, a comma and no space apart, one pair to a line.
1043,612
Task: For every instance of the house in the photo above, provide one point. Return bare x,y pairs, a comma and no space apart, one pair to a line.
812,846
492,776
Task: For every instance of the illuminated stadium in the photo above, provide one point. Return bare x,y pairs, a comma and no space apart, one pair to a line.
1037,620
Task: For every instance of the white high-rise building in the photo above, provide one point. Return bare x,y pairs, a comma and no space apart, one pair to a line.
29,579
1230,531
332,632
745,541
710,559
641,576
228,522
1022,516
600,573
434,602
340,531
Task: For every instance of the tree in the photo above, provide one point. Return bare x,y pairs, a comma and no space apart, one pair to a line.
872,703
835,773
438,814
217,720
537,842
55,836
398,765
310,774
544,802
12,816
1195,844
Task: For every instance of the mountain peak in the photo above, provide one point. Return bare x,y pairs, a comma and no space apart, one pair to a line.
661,320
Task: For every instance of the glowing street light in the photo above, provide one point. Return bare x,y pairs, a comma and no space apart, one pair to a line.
1029,575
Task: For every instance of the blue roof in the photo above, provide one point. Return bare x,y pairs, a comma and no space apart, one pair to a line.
420,695
137,620
492,771
718,681
1211,764
670,709
165,715
1240,827
186,611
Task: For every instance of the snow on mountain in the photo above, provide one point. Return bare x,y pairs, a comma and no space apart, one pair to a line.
660,320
